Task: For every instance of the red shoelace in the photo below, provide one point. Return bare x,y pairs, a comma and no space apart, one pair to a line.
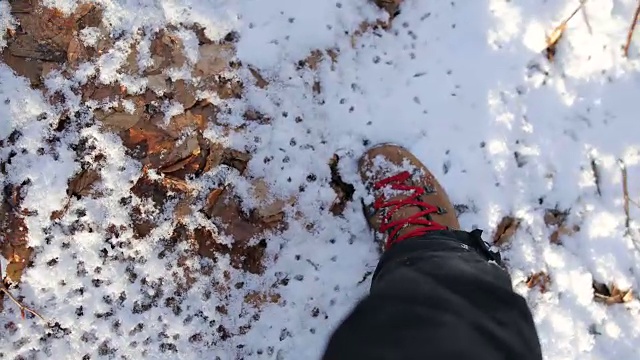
398,182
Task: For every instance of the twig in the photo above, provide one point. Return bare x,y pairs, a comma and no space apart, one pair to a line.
625,193
631,29
627,200
20,305
586,17
556,34
574,12
596,175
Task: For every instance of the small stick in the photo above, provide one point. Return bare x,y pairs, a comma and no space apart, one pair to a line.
556,34
631,30
585,16
20,305
596,175
625,193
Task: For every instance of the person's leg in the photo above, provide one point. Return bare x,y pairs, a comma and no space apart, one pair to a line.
438,293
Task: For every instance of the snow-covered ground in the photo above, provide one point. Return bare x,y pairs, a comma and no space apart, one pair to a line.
463,84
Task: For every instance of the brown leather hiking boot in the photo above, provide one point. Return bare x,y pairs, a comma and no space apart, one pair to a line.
409,201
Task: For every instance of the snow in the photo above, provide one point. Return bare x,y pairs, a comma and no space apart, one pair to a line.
6,22
461,84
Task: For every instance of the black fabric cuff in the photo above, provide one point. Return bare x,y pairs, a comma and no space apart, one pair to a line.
441,240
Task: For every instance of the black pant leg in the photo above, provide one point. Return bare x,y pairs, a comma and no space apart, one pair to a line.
438,297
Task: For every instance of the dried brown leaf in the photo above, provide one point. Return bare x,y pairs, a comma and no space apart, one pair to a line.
611,294
212,200
147,140
562,230
13,227
553,217
30,69
505,230
74,50
18,261
180,164
182,210
213,59
157,83
540,280
391,6
119,120
260,81
82,183
186,121
25,46
236,159
269,211
184,93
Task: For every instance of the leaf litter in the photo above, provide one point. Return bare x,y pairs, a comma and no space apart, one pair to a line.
162,204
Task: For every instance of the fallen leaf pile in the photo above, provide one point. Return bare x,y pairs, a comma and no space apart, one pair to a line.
48,39
171,149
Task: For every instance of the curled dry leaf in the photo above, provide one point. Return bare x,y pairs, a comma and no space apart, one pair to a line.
611,294
541,280
505,230
180,164
82,183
